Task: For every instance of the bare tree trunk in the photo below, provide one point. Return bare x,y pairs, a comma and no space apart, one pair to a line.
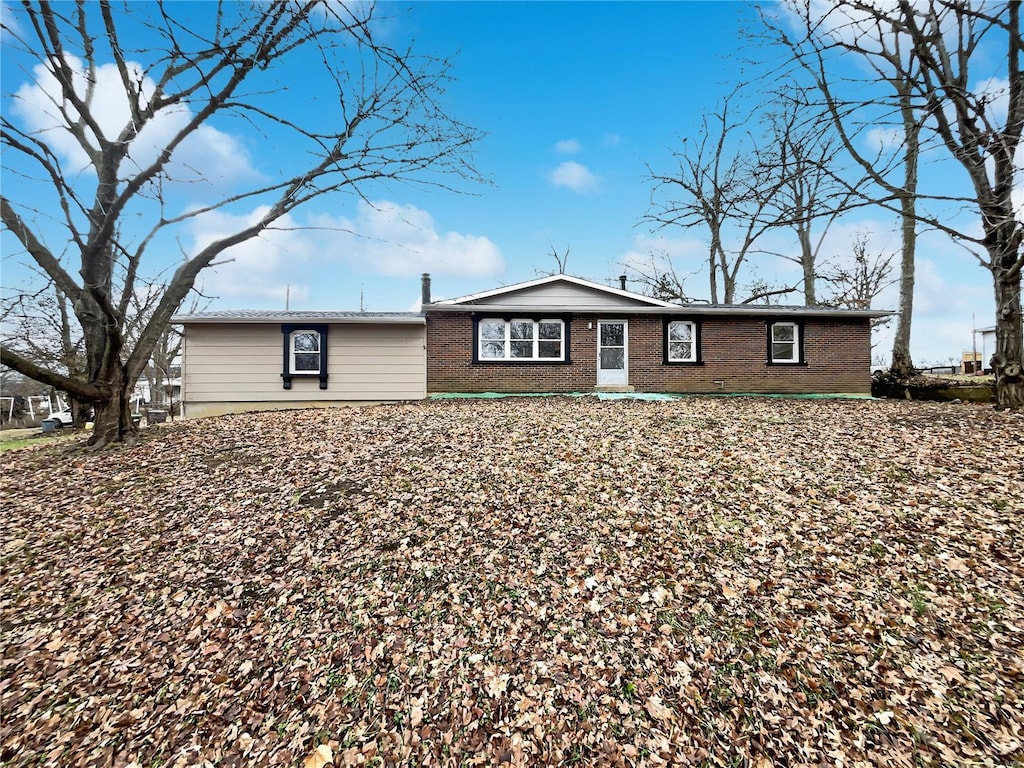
728,287
713,265
902,364
1008,360
807,265
113,419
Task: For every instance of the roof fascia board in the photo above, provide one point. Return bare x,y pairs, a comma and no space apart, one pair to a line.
670,309
294,318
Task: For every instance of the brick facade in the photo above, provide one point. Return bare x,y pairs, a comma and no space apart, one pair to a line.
837,353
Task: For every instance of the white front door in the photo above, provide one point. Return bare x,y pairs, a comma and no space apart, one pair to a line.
612,358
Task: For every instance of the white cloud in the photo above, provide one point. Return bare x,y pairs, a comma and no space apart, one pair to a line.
996,92
611,140
401,240
207,155
383,238
574,176
568,147
884,139
690,252
259,269
381,21
946,307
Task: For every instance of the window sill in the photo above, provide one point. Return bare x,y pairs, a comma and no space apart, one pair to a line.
522,361
784,364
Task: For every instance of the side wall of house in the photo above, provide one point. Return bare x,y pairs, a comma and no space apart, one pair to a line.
733,350
236,367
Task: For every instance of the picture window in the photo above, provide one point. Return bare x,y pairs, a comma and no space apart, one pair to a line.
521,339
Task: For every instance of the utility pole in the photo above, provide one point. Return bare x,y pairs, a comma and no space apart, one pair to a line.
974,345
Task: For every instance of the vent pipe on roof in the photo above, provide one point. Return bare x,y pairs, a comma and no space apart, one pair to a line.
622,282
425,294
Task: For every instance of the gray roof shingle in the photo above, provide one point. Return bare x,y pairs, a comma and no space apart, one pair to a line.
280,316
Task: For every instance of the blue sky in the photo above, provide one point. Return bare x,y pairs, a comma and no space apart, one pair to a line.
576,100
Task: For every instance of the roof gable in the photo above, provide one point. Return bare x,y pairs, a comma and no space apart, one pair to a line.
557,290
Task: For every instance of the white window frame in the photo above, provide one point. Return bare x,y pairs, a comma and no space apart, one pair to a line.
794,344
508,340
292,367
693,342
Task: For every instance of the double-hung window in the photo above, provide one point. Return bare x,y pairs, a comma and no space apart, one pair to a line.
682,341
784,343
305,353
520,339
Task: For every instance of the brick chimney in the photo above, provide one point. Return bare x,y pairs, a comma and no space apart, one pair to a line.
425,294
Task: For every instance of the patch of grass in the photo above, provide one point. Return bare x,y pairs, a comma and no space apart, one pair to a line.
918,603
17,434
12,439
9,444
628,691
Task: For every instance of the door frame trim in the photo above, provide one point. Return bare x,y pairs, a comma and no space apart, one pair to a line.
625,354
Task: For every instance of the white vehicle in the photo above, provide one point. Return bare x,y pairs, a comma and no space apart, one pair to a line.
62,418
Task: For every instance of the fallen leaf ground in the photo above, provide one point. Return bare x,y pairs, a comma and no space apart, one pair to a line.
536,581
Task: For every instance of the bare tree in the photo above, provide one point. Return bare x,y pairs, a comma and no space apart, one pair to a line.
164,362
561,261
763,292
893,170
378,119
858,285
658,277
927,53
717,187
163,366
785,181
807,196
40,324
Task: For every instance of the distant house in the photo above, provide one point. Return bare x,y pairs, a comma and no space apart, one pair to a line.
970,362
985,340
554,334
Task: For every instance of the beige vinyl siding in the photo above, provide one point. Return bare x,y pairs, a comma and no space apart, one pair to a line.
242,363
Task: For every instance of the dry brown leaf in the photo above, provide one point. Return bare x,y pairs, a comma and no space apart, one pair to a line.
319,757
657,710
415,581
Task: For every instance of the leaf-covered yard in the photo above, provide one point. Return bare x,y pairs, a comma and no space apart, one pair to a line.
533,581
